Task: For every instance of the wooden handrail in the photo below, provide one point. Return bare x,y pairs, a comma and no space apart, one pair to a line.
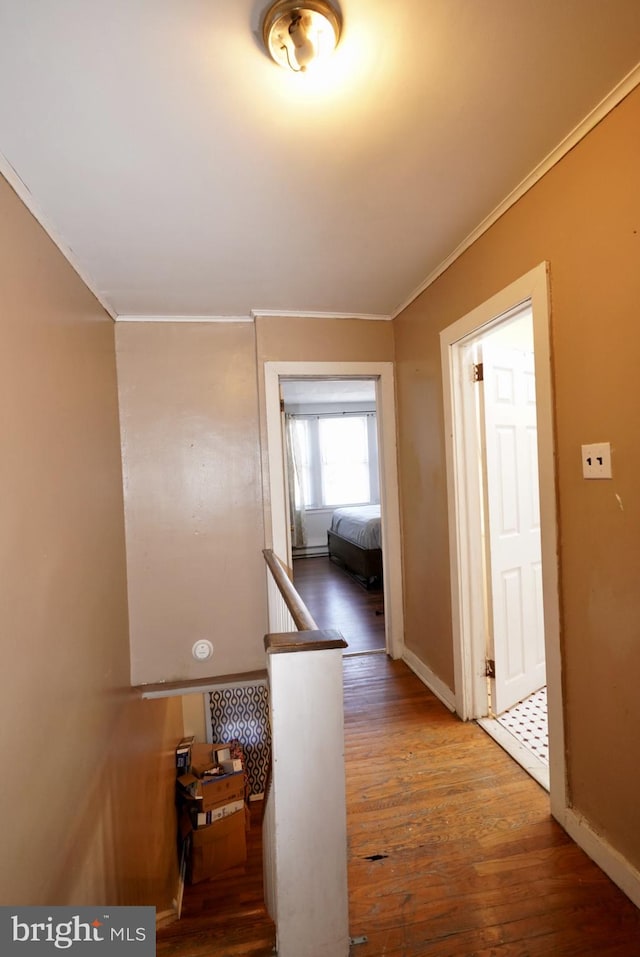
299,612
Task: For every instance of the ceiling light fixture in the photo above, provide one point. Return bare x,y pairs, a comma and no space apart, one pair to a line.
298,33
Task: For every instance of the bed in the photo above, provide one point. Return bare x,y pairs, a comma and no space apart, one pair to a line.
354,540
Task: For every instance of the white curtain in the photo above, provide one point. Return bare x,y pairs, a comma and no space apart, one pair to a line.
296,485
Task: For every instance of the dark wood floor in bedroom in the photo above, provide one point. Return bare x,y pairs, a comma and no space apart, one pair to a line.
335,600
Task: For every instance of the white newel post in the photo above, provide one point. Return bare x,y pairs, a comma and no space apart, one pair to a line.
305,820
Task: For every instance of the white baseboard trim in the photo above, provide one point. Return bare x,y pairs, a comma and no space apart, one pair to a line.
606,857
311,551
431,680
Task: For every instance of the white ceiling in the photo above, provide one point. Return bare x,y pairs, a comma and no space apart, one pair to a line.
187,175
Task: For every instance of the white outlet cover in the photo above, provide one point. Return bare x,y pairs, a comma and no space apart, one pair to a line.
596,460
202,650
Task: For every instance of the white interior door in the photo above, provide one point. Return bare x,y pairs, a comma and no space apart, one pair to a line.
514,565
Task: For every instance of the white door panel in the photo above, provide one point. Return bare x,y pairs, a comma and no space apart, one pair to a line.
513,527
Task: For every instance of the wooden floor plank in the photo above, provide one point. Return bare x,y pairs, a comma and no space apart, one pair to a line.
473,862
335,600
470,862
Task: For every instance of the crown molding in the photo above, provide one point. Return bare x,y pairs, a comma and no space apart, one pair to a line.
184,319
619,92
293,314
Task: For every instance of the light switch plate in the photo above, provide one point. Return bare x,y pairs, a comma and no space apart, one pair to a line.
596,460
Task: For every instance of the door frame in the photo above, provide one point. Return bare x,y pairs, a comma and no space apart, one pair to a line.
275,509
464,511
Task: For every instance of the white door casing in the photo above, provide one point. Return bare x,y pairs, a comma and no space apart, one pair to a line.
465,531
276,518
513,548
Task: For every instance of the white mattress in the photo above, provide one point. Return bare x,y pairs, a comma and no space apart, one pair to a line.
359,524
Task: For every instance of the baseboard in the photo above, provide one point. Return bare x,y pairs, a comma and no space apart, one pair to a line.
173,913
614,865
166,917
433,683
606,857
311,551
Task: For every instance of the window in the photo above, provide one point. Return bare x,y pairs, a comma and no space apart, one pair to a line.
339,460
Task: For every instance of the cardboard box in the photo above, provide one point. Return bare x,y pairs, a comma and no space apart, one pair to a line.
188,785
218,847
183,755
204,818
221,789
221,752
202,758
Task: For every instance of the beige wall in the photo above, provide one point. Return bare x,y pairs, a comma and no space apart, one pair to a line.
190,443
192,447
86,802
584,218
194,716
287,339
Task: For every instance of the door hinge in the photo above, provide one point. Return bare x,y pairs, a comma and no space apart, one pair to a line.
478,372
490,669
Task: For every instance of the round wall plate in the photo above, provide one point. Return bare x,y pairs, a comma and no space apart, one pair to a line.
202,649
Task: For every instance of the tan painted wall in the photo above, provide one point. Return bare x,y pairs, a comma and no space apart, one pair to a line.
190,441
193,716
192,450
287,339
86,801
584,218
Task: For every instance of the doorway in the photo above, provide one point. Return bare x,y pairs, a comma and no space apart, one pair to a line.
276,518
473,598
333,491
498,376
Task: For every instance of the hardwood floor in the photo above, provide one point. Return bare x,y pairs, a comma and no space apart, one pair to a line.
225,917
335,600
474,863
452,850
